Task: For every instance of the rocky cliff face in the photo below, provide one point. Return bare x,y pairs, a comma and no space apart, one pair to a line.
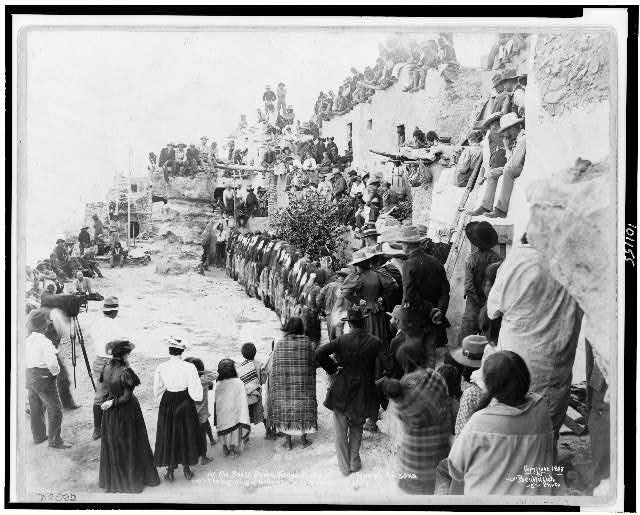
573,224
569,210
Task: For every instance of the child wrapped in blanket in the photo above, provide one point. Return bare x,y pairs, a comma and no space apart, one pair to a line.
253,376
202,407
231,411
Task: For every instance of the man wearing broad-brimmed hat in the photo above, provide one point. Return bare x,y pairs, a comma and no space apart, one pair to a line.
425,296
98,230
84,239
513,134
484,238
352,395
493,152
503,84
339,184
369,235
43,368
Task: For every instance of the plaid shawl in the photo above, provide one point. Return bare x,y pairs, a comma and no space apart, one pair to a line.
426,415
292,407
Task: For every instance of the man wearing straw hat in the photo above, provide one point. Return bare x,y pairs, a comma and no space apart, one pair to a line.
511,128
425,296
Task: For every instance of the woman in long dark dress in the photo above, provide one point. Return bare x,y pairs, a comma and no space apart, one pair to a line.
126,460
177,385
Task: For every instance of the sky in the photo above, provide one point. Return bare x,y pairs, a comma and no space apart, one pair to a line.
96,96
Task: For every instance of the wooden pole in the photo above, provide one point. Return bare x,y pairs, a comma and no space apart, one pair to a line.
129,200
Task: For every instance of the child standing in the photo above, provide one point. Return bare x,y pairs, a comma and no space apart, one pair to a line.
231,411
252,375
202,407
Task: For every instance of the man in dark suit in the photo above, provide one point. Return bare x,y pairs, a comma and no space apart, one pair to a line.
352,395
167,154
251,203
320,149
425,296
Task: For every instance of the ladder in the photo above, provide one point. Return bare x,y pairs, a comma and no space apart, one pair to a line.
463,215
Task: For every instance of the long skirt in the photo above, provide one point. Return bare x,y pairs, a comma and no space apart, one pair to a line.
126,460
178,440
311,320
378,325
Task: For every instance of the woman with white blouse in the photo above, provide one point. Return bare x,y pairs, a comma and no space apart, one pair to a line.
177,385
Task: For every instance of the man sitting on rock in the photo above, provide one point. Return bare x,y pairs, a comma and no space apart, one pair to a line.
514,140
117,253
83,285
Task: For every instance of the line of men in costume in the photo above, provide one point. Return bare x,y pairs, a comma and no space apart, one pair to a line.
529,379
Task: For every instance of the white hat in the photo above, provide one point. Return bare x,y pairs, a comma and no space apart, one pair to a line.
509,120
176,343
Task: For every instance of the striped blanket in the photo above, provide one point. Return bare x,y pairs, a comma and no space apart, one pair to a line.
292,407
426,417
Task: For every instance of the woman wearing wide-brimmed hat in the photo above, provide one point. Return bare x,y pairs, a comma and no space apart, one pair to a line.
126,459
483,237
370,286
177,385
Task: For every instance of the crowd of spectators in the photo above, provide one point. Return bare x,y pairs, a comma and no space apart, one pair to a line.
396,54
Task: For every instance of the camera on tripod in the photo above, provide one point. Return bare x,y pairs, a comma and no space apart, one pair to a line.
71,305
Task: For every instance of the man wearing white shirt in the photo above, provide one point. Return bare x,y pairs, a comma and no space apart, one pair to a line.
221,246
357,187
177,385
103,331
42,371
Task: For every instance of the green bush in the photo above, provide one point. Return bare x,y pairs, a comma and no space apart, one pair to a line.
311,224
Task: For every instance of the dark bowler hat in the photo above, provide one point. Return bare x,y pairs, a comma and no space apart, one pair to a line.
355,313
59,240
470,353
481,234
110,304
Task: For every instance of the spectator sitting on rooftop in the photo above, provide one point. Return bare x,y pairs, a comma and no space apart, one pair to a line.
419,138
281,105
432,139
332,149
341,104
269,97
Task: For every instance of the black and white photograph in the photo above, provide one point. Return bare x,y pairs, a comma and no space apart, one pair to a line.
319,260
